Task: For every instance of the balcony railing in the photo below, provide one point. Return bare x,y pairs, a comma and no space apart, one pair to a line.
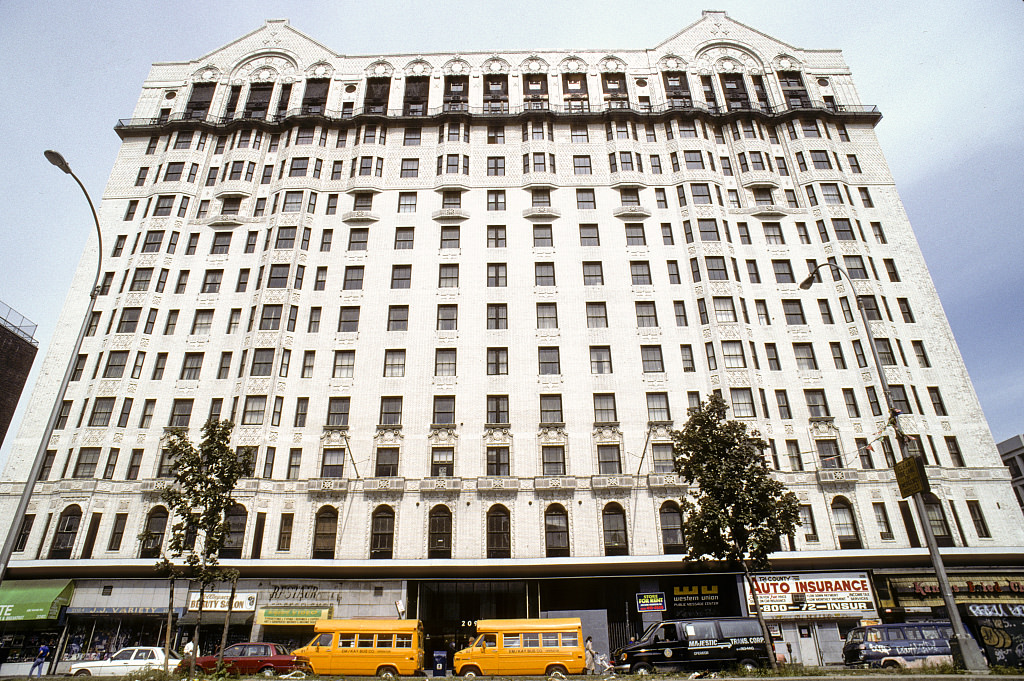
572,108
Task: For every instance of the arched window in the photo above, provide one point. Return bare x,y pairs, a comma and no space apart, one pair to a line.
846,525
439,532
615,540
672,528
67,530
556,531
236,519
153,539
382,533
937,520
499,532
325,532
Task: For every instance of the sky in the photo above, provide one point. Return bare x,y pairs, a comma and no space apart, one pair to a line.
946,76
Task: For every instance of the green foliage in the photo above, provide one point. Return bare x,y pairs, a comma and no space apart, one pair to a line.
204,478
737,512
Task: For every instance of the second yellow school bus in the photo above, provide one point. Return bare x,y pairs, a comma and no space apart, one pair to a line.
524,647
384,648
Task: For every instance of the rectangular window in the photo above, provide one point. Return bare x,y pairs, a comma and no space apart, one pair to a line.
597,316
548,361
604,408
585,199
496,200
444,410
817,405
608,460
497,409
657,407
544,274
445,362
646,314
651,359
547,316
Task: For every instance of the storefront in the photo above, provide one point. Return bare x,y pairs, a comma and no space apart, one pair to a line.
990,603
107,615
612,609
32,612
809,614
215,609
911,596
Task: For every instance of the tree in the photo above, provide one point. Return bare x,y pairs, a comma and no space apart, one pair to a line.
204,478
737,512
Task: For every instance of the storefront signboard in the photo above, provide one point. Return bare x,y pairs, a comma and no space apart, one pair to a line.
909,591
291,616
814,595
654,602
217,601
117,610
701,596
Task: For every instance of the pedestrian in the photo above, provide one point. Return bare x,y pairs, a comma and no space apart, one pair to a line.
40,661
591,656
187,650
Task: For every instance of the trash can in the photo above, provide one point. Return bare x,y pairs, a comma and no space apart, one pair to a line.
440,662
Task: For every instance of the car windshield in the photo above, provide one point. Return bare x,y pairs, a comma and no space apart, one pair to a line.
649,631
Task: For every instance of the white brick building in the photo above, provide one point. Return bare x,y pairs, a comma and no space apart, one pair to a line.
456,302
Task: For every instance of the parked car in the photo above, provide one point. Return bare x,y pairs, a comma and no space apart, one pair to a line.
693,645
913,644
125,661
268,659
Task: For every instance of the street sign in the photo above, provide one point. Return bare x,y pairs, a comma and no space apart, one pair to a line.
911,476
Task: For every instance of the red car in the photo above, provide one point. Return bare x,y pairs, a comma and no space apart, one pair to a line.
246,659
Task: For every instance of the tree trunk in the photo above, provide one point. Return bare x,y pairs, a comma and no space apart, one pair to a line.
227,623
170,620
195,633
760,617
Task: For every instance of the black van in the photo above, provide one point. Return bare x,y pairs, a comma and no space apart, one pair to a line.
688,644
899,645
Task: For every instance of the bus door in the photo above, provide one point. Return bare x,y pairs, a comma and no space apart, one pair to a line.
319,653
486,654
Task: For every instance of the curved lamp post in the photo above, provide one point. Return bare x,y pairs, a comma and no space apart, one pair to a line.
37,465
973,658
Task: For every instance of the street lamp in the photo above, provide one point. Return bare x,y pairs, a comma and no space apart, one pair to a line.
37,465
973,658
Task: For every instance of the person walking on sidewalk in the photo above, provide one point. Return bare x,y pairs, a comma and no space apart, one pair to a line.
591,656
40,661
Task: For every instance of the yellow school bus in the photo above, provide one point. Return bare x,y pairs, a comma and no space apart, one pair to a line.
385,648
524,647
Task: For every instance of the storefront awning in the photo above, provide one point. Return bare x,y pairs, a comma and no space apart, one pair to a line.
34,599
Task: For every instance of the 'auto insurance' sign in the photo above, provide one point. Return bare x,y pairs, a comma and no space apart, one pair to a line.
814,595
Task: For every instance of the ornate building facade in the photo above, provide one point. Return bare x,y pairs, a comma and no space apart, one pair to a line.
455,304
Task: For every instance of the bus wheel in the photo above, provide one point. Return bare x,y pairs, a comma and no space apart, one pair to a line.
556,671
387,673
642,669
890,664
470,672
748,665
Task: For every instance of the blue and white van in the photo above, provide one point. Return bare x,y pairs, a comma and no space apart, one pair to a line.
913,644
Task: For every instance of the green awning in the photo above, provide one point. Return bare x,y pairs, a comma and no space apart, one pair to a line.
34,599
